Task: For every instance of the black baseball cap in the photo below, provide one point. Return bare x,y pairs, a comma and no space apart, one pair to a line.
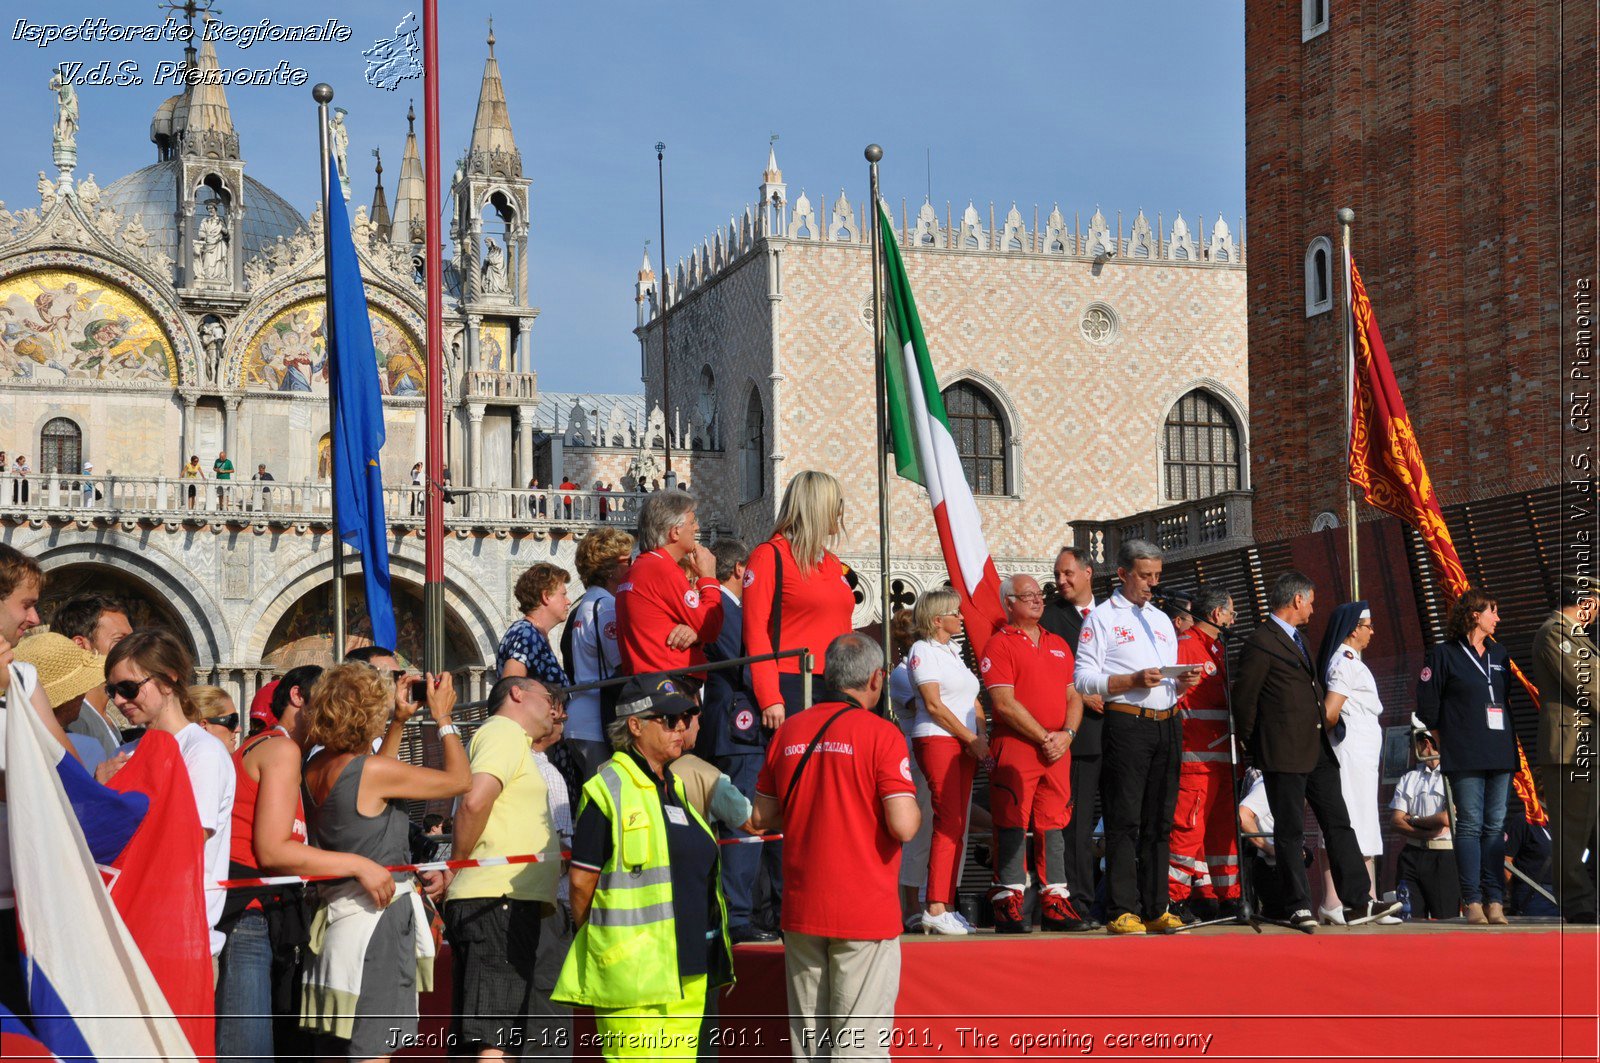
654,694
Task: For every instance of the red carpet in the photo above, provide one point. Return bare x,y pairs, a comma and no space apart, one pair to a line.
1412,992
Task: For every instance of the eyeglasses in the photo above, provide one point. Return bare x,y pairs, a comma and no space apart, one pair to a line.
670,720
126,689
230,721
1033,597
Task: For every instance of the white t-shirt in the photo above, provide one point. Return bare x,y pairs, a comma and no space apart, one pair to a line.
1256,801
932,661
212,777
595,655
902,695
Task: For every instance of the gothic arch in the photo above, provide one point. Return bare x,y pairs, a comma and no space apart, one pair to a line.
1010,420
143,561
1230,407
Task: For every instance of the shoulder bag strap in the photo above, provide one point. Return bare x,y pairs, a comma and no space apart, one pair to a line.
775,621
816,740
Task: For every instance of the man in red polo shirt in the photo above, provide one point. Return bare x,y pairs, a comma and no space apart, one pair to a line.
837,782
1028,672
662,620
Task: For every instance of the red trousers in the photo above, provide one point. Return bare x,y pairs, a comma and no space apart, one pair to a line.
949,772
1205,858
1024,791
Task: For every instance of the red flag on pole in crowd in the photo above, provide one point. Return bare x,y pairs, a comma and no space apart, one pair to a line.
1386,463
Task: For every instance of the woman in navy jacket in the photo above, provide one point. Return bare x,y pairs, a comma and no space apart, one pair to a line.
1461,696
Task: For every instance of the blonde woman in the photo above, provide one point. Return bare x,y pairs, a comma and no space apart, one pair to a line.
367,963
949,737
218,714
589,643
795,592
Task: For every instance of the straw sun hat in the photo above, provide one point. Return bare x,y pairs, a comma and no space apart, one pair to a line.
66,670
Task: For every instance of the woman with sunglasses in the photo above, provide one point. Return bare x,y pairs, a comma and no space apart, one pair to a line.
375,956
218,715
652,941
147,677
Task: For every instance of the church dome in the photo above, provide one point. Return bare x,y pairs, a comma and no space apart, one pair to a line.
152,194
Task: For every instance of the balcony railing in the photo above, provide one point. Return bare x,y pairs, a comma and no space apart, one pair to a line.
486,384
279,501
1185,530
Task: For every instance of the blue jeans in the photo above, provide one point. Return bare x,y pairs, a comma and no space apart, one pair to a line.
1480,839
244,992
741,864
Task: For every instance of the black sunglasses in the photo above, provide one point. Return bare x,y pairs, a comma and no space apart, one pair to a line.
230,721
126,689
671,720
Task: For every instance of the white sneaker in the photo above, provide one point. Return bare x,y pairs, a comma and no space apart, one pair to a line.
913,922
1390,920
946,922
1330,916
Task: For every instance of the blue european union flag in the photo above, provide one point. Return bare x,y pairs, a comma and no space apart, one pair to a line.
358,436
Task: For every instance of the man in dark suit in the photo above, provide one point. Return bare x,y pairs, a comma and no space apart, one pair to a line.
1278,705
732,738
1064,616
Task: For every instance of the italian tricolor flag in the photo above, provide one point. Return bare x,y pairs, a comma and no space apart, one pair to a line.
926,452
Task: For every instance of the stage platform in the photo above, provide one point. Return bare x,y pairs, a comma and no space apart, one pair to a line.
1413,992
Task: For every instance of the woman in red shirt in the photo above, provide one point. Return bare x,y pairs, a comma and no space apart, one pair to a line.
795,593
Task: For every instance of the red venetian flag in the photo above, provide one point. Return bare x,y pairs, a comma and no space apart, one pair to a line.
1386,463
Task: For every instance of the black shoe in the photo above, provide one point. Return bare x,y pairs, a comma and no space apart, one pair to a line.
1303,921
1369,912
745,935
1229,909
1184,910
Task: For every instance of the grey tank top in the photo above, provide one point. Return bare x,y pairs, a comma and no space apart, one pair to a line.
338,825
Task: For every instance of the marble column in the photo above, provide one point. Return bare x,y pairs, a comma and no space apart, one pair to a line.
187,430
230,428
524,362
526,419
475,446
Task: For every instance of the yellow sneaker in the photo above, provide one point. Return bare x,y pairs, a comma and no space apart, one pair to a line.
1164,923
1126,923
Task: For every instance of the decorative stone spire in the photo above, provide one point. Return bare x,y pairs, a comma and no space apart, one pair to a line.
493,150
772,175
208,123
772,197
410,201
380,205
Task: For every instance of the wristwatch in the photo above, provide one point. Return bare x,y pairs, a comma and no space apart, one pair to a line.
1069,732
448,729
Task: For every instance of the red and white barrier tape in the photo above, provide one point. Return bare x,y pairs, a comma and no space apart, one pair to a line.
444,865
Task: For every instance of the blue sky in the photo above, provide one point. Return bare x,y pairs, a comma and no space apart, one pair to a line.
1122,105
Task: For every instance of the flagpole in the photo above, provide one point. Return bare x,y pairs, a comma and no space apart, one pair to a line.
322,92
666,393
874,155
433,401
1347,218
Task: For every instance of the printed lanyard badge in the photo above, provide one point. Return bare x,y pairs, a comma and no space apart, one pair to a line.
1494,709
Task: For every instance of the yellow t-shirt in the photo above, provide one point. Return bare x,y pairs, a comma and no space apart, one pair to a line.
518,823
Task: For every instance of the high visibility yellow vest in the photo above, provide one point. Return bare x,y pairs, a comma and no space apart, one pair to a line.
626,954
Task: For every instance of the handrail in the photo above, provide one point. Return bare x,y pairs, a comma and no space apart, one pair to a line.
248,500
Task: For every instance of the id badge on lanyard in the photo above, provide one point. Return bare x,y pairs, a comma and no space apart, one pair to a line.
1494,709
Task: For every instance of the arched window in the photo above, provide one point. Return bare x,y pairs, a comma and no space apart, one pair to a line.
754,449
1319,276
60,447
1202,448
980,436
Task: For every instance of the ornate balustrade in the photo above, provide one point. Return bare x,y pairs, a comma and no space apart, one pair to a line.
1181,531
486,384
248,501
